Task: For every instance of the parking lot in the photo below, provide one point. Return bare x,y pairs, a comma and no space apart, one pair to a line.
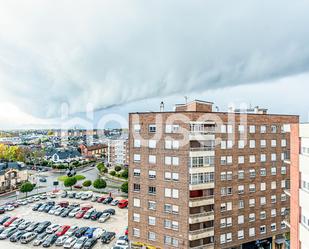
116,223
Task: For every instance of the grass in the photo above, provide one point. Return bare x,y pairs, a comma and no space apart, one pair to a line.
77,177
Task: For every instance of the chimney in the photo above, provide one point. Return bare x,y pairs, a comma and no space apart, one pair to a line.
162,106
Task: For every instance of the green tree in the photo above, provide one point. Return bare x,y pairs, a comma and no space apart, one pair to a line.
117,168
101,167
125,187
113,173
70,182
27,187
99,184
125,174
87,183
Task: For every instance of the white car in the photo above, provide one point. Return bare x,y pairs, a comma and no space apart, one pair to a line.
78,195
9,208
104,217
17,222
53,209
69,242
80,243
97,234
71,231
73,212
121,242
52,228
61,240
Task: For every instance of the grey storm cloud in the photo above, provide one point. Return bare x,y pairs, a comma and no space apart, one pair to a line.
114,52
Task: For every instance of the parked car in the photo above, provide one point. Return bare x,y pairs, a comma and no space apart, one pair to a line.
63,204
108,200
73,212
107,237
104,217
80,214
53,209
87,196
51,239
101,199
32,226
24,225
114,202
43,179
9,207
42,227
98,232
72,195
78,195
89,232
2,210
80,232
10,221
59,211
61,240
52,228
42,207
96,215
121,242
66,212
95,198
43,197
62,230
86,207
110,211
72,231
16,236
17,222
8,232
90,243
70,242
80,243
37,206
28,237
89,213
64,194
53,195
48,208
4,219
78,186
123,203
2,228
40,239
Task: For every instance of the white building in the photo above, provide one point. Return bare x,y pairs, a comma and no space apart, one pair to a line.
118,151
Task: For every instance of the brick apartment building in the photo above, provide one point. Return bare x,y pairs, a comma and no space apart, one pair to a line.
118,152
202,179
96,150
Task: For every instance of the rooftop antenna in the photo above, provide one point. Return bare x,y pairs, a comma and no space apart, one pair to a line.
186,99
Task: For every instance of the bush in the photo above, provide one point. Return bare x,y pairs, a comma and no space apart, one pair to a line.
101,167
87,183
125,174
79,177
26,187
70,181
125,187
117,168
113,173
99,183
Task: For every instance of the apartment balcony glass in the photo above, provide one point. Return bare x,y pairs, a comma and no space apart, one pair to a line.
202,180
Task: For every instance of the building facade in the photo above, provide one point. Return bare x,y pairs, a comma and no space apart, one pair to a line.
118,151
202,179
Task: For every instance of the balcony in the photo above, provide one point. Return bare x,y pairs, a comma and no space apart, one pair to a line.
206,246
200,186
201,217
201,201
201,233
201,135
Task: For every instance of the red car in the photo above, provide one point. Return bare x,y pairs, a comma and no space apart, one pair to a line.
101,199
63,204
126,232
10,221
78,186
62,230
123,203
80,214
86,207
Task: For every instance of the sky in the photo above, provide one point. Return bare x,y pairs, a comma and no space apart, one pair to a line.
60,58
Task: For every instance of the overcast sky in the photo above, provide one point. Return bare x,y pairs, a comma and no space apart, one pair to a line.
124,56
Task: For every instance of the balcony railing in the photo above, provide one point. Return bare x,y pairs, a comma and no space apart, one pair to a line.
206,148
199,231
199,215
201,198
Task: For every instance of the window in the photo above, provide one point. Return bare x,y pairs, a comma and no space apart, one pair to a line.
136,172
200,178
273,212
251,231
171,128
136,232
152,174
241,159
175,193
252,173
283,184
229,221
251,217
137,143
252,158
241,128
167,175
228,237
273,185
229,144
263,186
229,129
283,211
223,176
241,174
229,175
171,160
273,143
251,202
283,225
263,157
136,202
263,129
151,205
263,172
223,222
151,220
252,144
136,187
262,229
241,219
152,159
222,238
241,189
273,129
152,144
283,197
152,128
137,157
223,128
283,142
273,198
283,170
240,234
241,144
137,128
273,227
273,171
241,204
168,192
262,200
252,129
171,144
223,145
151,236
175,176
263,215
175,225
136,217
252,187
263,143
225,160
152,190
273,157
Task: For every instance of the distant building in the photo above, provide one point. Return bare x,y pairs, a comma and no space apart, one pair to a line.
118,152
12,175
97,150
63,156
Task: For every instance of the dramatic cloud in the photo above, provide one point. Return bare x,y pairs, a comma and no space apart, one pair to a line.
115,52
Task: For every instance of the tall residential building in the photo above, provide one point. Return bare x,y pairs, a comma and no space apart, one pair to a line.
202,179
298,221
